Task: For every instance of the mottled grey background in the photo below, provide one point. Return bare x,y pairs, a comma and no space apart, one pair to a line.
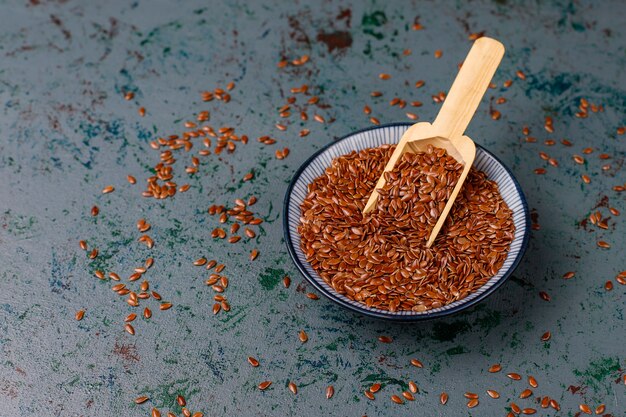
66,132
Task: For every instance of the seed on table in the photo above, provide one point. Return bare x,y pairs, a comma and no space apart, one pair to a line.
585,178
252,361
608,286
367,110
303,336
134,277
264,385
181,400
130,317
156,295
79,315
555,405
472,403
579,159
249,175
374,120
141,400
507,83
603,244
82,244
384,76
443,398
319,118
156,413
470,395
553,162
614,211
540,171
234,239
130,329
200,261
600,409
544,296
532,382
293,387
569,275
312,296
219,268
438,53
304,132
510,414
95,210
234,228
330,391
495,114
397,399
493,393
495,368
407,395
545,402
286,281
99,274
417,363
216,308
197,414
165,306
186,412
529,411
249,233
147,313
93,254
514,376
526,393
585,408
412,116
108,189
385,339
413,387
369,395
515,408
375,388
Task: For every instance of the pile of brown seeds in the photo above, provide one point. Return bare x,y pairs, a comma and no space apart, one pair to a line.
381,259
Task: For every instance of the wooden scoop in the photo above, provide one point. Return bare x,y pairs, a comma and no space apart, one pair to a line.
455,114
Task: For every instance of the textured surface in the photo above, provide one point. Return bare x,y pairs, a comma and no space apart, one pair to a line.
66,132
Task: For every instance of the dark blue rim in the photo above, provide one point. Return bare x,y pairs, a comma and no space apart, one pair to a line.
376,314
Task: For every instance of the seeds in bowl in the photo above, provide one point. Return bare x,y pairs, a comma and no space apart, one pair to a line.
381,259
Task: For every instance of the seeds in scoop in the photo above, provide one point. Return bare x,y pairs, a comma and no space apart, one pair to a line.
303,336
375,388
472,403
585,408
443,398
141,400
79,315
493,393
417,363
264,385
293,388
495,368
330,391
532,382
514,376
397,399
253,361
385,339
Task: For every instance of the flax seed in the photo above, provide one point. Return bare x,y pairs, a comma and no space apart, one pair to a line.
529,411
472,403
515,408
397,399
369,395
495,368
569,275
603,244
129,329
585,408
417,363
330,391
385,339
493,394
141,400
108,189
254,254
265,385
600,409
514,376
165,306
443,398
79,315
413,387
408,396
532,382
312,296
252,361
375,388
526,393
303,336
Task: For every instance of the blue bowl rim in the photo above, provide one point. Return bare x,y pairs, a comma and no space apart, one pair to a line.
375,314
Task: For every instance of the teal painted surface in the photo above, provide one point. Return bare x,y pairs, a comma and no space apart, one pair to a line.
66,132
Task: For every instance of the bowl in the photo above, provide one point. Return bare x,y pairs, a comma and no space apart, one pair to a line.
388,134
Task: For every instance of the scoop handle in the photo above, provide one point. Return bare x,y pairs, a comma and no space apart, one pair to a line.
469,87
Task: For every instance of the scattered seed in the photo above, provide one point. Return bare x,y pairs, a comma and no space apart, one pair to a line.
108,189
515,408
532,382
130,329
165,306
384,76
608,286
369,395
600,409
529,411
181,400
585,408
514,376
397,399
544,296
330,391
312,296
156,413
417,363
438,53
293,388
526,393
493,394
252,361
264,385
443,398
286,281
585,178
375,388
385,339
413,387
407,395
470,395
520,75
303,336
199,262
495,368
569,275
141,400
472,403
79,315
603,244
